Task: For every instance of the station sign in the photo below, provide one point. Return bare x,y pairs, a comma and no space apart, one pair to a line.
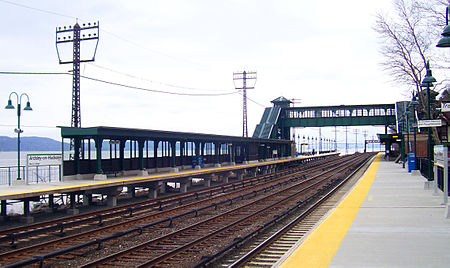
430,123
445,107
44,159
372,141
439,157
441,160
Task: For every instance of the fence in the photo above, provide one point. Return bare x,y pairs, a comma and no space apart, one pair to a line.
35,174
423,165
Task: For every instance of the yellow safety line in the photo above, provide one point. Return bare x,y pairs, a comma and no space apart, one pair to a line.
321,245
138,179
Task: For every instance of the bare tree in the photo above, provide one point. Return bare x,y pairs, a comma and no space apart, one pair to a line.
409,37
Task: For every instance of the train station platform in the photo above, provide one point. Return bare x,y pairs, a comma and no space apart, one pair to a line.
387,220
128,186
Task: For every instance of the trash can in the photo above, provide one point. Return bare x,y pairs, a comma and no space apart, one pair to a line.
411,161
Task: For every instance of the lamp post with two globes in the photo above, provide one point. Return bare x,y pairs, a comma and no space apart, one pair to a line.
18,130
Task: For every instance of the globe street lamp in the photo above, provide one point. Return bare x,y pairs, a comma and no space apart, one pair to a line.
428,82
18,130
445,40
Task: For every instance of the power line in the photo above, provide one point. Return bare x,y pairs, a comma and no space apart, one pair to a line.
1,125
128,86
159,91
38,9
34,73
108,32
148,80
255,102
153,51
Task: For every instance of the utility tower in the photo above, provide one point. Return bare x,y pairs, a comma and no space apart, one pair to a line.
335,137
356,131
75,34
365,139
244,76
346,140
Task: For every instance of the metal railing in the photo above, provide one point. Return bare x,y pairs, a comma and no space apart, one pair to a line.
32,174
423,166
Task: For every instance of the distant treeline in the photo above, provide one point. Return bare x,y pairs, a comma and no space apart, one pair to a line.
8,144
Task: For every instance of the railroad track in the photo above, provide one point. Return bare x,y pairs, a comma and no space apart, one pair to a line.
26,233
178,248
89,236
99,240
267,249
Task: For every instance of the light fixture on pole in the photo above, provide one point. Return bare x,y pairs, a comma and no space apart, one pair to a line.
427,82
18,130
445,40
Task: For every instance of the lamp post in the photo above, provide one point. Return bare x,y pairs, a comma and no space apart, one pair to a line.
413,104
445,40
428,82
18,130
407,128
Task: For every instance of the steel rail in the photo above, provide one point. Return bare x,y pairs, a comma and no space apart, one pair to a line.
146,226
59,225
263,245
14,234
158,259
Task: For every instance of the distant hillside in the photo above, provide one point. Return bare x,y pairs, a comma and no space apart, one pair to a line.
30,144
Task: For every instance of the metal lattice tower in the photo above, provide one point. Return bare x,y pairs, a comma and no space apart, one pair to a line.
76,34
76,116
244,76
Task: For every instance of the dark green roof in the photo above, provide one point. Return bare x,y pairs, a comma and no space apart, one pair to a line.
117,133
281,100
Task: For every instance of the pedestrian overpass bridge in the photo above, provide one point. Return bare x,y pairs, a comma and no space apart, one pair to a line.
277,120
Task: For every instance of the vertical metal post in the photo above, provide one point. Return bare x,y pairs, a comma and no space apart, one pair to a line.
18,141
61,166
346,143
407,129
435,192
445,177
415,139
98,147
4,208
155,153
244,107
335,138
429,143
320,140
174,153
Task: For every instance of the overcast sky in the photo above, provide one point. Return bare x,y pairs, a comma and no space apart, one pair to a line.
322,52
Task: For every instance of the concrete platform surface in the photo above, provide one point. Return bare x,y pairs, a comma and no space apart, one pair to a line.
397,224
